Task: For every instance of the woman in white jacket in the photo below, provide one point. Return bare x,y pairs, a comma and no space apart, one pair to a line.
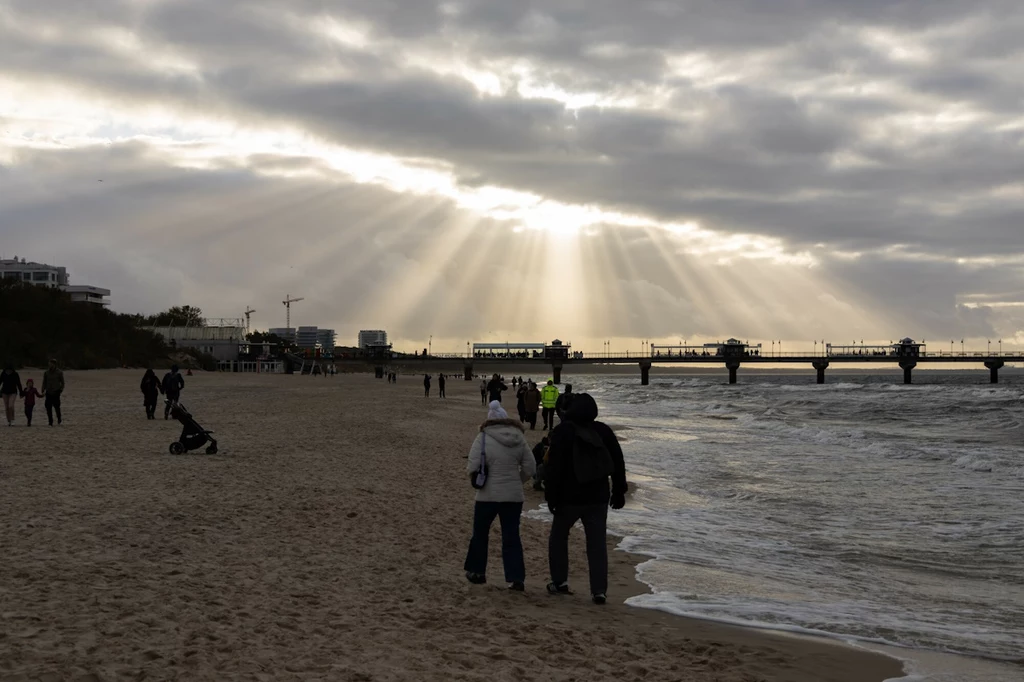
501,443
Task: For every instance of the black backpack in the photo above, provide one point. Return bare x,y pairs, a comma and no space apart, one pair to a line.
591,460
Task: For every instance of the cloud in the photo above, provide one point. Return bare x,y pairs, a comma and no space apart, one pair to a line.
719,156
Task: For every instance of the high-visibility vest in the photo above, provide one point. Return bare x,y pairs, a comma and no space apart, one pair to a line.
548,396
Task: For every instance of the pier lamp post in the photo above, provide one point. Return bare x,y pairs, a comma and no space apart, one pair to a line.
773,346
990,346
1000,346
430,344
962,351
951,346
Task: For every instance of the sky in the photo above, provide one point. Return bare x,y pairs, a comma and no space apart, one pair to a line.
487,170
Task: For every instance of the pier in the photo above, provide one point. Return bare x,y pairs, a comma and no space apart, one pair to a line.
732,355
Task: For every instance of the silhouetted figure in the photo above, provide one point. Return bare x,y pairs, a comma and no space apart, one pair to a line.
172,384
10,389
494,389
426,385
440,385
150,387
53,387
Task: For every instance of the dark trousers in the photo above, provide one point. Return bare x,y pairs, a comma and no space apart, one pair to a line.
441,392
149,402
531,417
595,525
171,399
52,404
28,412
483,397
509,514
549,417
426,391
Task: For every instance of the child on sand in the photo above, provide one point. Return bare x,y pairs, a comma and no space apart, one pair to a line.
30,394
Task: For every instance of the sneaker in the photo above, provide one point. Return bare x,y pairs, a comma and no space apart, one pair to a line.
599,599
559,589
517,587
476,578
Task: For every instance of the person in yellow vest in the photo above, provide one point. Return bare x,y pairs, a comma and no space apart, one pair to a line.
548,400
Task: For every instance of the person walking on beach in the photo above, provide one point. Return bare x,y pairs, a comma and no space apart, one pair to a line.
521,401
10,389
562,404
172,385
53,387
483,391
426,385
531,403
582,456
150,387
494,389
548,400
440,385
30,393
501,447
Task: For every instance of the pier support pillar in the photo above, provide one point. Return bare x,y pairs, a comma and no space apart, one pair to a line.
732,366
821,366
908,366
556,369
467,371
645,374
993,370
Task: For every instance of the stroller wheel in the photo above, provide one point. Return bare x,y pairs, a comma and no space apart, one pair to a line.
176,448
212,450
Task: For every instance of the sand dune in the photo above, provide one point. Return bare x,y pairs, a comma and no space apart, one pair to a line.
324,542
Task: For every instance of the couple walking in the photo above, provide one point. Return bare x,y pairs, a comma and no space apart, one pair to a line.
11,389
583,455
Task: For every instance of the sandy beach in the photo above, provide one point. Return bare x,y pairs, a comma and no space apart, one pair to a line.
324,542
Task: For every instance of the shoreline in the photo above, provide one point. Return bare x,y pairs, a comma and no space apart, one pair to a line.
326,541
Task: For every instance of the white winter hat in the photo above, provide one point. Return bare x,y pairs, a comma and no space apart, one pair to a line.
496,411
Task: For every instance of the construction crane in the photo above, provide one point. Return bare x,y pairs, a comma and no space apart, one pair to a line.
288,300
248,311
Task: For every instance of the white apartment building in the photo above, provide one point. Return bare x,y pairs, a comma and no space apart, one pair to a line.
305,337
372,337
327,339
53,276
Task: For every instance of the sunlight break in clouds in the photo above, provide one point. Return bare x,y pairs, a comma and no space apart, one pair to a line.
688,168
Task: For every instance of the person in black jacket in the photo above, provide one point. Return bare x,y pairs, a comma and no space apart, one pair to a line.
494,389
582,446
150,388
563,402
10,390
172,384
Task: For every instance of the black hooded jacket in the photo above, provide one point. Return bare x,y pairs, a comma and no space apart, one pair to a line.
560,484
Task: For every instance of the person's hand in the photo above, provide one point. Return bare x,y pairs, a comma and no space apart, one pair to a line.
618,501
552,507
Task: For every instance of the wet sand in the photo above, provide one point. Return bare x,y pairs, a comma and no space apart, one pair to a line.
324,542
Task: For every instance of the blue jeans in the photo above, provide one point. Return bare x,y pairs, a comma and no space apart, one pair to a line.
511,546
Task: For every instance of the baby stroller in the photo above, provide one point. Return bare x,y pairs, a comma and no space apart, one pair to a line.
193,436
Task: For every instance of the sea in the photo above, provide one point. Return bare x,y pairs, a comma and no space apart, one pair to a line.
862,509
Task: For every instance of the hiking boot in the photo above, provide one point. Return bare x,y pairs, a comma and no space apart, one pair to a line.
599,598
476,578
559,589
517,587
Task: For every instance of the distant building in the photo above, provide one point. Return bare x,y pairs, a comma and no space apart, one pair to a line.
283,333
372,337
327,338
52,276
305,337
221,338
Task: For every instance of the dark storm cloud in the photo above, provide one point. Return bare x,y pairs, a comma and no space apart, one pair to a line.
837,125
